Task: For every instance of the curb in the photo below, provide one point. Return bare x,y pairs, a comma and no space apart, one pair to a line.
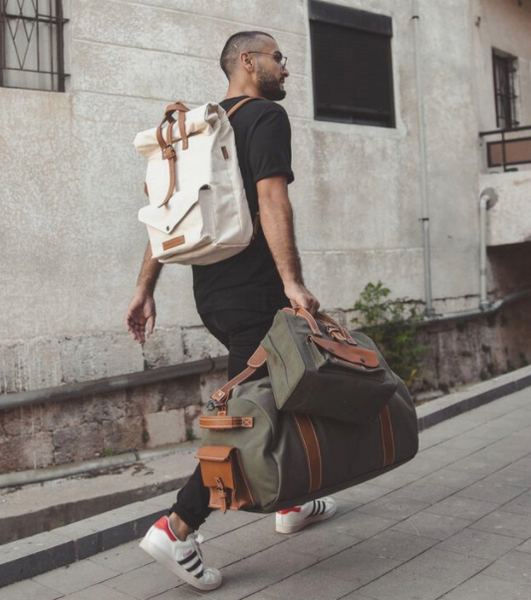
44,552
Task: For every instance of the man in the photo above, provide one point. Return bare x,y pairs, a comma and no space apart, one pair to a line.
238,297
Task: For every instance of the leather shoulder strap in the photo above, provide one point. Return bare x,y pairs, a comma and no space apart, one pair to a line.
239,104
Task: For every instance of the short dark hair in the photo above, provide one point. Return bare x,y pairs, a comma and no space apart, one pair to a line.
237,44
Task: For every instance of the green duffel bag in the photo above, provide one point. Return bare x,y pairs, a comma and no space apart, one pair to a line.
257,458
318,367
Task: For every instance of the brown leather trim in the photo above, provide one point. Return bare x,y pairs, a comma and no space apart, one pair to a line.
225,152
238,105
302,312
225,422
178,241
388,442
182,130
347,352
311,447
255,362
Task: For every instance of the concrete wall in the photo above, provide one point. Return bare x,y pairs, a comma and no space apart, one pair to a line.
72,181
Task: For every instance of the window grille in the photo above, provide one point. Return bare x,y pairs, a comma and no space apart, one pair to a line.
505,67
352,65
31,44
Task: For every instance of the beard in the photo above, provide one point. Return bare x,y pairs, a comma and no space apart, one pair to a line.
269,85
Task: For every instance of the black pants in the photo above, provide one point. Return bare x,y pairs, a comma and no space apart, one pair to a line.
240,331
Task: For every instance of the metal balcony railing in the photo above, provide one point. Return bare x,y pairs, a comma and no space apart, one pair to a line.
512,147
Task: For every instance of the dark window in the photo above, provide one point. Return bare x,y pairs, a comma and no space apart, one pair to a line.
31,44
504,67
352,66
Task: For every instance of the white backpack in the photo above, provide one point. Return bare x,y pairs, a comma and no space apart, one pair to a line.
198,212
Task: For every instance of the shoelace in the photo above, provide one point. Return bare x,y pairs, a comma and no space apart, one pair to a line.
197,539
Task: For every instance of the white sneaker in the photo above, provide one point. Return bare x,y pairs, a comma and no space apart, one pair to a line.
183,558
296,518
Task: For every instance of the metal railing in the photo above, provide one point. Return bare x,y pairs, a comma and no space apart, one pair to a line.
508,151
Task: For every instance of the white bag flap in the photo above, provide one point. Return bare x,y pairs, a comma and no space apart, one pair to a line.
167,217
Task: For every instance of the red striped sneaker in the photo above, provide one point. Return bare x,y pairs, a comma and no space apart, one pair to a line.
182,558
296,518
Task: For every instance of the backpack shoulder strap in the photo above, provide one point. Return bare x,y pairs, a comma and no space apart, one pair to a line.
239,104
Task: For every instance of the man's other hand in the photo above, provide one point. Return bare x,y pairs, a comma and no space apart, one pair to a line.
140,317
298,295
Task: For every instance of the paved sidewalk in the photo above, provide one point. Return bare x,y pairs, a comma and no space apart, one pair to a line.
454,523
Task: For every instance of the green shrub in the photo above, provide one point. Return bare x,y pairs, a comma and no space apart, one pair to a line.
392,326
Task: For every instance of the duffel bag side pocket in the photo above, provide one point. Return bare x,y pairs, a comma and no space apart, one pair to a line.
223,475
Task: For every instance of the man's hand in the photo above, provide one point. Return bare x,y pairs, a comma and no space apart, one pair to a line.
299,296
140,316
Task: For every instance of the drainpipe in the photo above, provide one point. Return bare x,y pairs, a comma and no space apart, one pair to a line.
487,200
425,218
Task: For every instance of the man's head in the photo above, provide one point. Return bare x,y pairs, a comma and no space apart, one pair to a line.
253,57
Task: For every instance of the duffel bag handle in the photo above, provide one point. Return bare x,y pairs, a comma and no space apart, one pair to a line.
334,328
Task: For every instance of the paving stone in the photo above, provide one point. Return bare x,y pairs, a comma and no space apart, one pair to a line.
145,582
123,558
185,592
437,527
446,453
259,596
361,525
429,493
396,544
247,540
76,577
257,572
319,542
482,544
505,523
514,566
465,508
312,584
524,463
491,491
396,479
393,506
399,585
482,462
421,465
452,477
98,592
356,566
363,493
446,567
29,590
511,475
525,547
230,521
482,587
520,505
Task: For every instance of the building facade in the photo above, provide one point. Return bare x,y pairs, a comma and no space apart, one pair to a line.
388,102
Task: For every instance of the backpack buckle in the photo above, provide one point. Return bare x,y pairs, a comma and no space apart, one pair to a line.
168,152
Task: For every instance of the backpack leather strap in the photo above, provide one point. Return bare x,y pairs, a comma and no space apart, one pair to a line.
166,146
239,104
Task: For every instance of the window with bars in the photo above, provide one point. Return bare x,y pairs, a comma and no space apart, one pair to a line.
352,65
505,67
32,44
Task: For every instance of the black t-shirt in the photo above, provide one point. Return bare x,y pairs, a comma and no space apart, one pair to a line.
250,279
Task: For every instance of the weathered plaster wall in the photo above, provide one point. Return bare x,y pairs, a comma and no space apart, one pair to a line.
72,182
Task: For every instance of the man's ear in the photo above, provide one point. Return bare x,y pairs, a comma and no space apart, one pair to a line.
247,62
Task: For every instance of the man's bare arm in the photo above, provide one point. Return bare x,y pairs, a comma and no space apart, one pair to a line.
141,312
276,219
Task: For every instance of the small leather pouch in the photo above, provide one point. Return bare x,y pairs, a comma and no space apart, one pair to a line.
223,475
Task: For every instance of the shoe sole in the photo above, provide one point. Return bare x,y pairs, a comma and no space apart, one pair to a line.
308,521
177,569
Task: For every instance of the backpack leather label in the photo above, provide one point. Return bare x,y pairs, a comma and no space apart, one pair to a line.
178,241
225,152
